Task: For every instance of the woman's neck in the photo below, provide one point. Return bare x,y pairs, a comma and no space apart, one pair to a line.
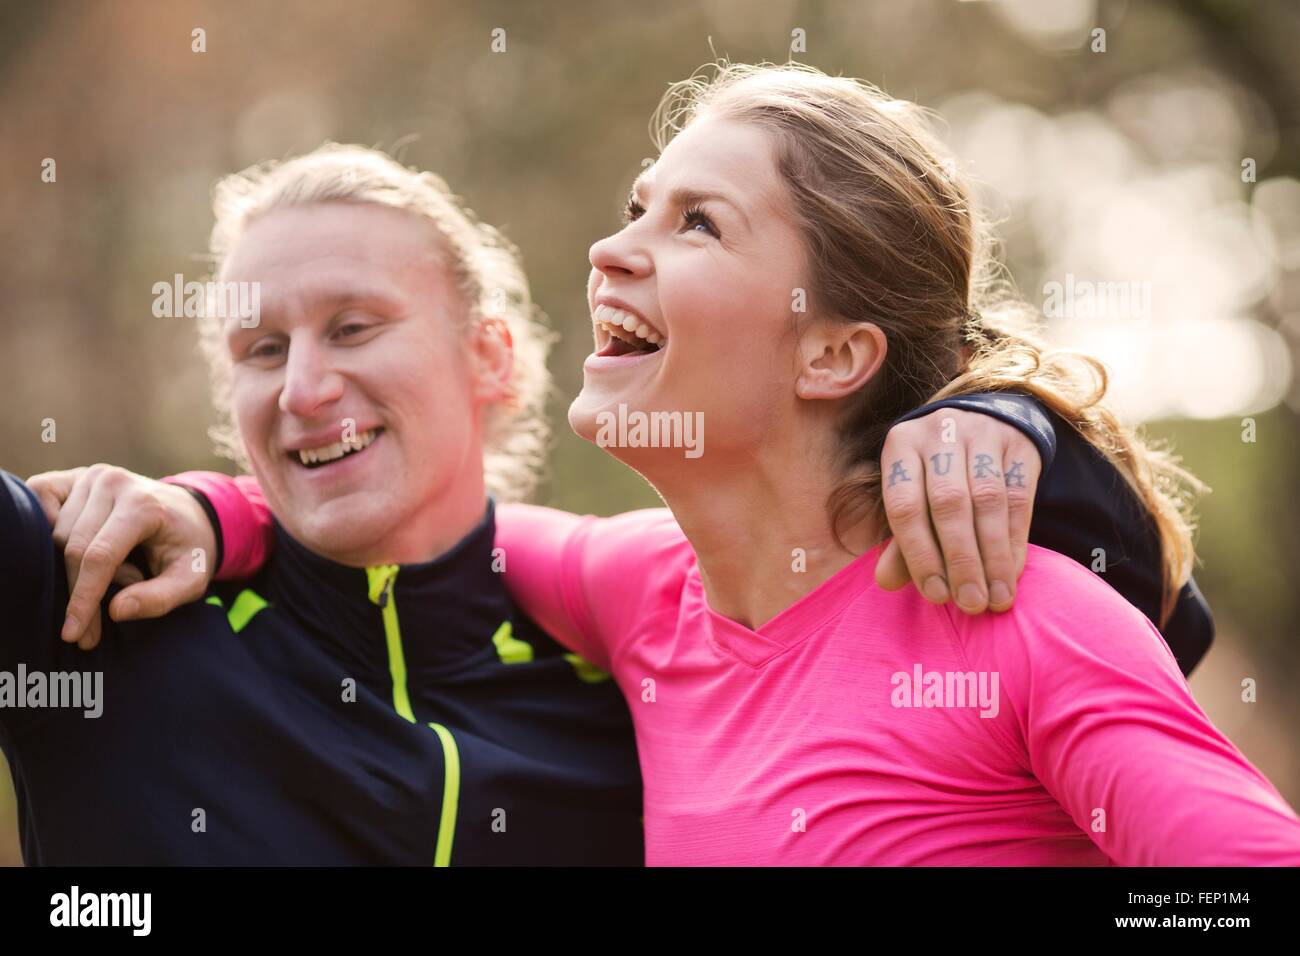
762,532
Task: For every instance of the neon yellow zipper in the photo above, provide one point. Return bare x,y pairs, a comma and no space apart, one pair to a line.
381,580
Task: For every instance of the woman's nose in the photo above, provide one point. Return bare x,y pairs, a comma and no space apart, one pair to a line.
622,254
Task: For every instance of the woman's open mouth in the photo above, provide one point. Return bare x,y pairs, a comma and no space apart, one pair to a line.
619,332
326,455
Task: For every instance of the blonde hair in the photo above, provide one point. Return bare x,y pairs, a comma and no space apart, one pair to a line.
894,238
487,268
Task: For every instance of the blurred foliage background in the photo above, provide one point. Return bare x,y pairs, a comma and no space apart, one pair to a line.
1128,164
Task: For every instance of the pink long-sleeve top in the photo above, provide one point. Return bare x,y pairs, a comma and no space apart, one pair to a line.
865,727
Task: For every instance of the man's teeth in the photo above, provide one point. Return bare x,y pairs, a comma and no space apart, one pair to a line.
318,456
626,326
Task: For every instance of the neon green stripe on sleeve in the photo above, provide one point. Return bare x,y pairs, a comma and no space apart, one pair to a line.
587,672
510,649
246,606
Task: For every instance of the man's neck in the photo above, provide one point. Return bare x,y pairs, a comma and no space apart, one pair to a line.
434,530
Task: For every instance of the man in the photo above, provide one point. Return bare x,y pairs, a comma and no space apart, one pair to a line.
373,696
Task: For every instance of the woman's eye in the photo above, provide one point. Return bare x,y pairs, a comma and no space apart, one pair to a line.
632,211
699,219
695,218
351,328
265,350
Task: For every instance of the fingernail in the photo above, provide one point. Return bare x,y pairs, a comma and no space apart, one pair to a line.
70,626
935,588
127,608
999,594
969,595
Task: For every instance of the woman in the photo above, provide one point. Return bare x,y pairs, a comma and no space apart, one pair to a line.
787,710
791,718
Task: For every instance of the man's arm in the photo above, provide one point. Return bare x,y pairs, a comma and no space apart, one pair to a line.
1086,511
1083,508
31,589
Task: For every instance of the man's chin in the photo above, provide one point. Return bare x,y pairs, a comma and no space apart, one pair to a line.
346,529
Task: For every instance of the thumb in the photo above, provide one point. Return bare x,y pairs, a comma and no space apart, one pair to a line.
176,585
891,569
127,574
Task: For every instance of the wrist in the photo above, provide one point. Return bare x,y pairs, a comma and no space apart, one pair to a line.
214,522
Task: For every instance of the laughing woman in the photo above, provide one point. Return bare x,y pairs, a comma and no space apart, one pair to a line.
799,269
789,711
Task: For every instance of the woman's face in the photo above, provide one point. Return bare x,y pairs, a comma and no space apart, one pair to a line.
710,268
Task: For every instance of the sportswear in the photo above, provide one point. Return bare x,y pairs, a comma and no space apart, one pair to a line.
867,727
312,714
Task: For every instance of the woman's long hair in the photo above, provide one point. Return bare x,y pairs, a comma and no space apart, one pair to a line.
893,238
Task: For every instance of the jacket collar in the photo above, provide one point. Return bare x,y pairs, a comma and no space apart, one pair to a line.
446,609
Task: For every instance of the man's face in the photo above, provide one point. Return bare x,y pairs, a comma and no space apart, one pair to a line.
360,366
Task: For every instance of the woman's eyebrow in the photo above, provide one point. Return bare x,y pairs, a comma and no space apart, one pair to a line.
689,196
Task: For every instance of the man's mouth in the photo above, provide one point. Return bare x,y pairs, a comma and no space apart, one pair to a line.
625,333
329,454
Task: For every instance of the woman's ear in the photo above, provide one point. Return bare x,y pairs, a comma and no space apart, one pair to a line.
492,357
837,358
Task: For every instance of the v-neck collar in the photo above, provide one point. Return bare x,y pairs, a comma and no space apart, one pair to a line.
795,623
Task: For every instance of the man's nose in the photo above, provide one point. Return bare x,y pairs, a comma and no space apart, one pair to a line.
310,380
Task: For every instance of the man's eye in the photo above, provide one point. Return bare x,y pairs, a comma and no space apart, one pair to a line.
351,328
266,350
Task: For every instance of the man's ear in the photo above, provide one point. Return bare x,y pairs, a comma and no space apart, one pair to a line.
492,359
838,358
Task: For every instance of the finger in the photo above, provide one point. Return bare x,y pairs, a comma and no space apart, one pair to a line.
90,639
952,514
891,569
127,575
176,585
906,507
992,528
71,509
85,527
124,528
1021,470
52,489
